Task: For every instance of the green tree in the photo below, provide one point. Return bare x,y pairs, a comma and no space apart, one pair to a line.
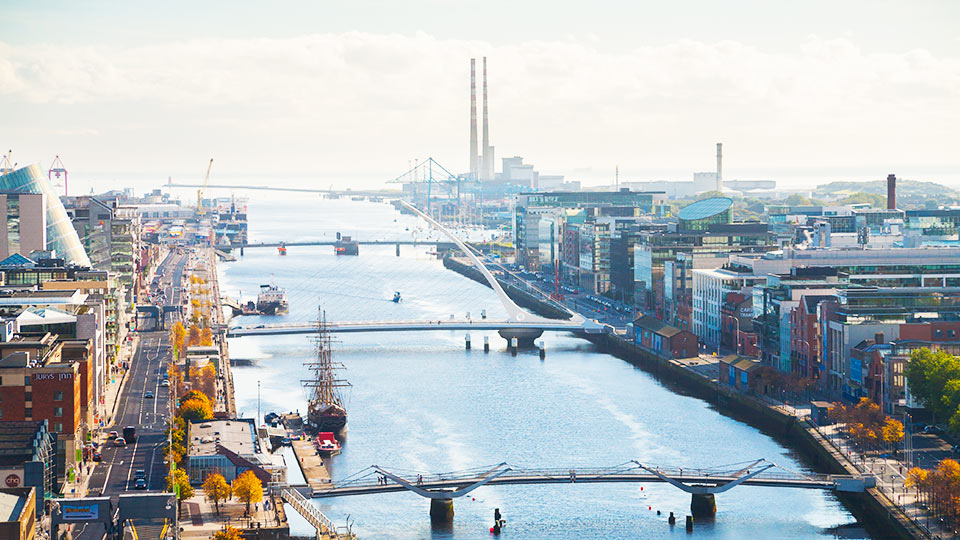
217,489
181,480
873,199
934,379
248,488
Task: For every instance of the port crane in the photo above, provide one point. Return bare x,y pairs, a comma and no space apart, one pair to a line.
203,188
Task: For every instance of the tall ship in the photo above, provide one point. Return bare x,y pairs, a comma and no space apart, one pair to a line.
325,409
272,300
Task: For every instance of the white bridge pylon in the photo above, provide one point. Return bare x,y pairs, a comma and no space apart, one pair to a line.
515,313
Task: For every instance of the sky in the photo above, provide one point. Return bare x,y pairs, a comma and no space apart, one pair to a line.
318,93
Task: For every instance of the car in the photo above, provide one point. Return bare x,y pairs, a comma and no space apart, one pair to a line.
148,394
140,474
97,456
112,435
140,484
119,442
165,382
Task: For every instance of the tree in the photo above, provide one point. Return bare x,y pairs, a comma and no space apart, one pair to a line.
873,199
193,336
177,335
217,489
934,379
180,483
195,394
207,379
228,533
248,488
797,199
206,335
195,410
892,431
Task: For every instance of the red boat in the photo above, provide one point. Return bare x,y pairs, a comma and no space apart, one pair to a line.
327,444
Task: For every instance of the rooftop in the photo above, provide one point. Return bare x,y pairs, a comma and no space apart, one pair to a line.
238,436
11,506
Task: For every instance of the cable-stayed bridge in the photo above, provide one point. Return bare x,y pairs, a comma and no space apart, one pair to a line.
519,323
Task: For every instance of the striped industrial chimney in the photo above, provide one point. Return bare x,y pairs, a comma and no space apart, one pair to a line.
474,157
486,163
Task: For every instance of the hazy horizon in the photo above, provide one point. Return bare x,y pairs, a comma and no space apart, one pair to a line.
801,94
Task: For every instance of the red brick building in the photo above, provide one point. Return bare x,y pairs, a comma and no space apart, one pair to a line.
805,337
665,340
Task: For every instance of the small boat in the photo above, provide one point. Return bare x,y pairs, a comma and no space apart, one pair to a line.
282,249
396,297
327,444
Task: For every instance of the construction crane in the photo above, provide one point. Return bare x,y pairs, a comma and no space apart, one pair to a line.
202,189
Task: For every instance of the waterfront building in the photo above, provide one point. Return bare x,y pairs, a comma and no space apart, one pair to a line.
664,340
736,371
678,284
228,447
61,238
736,324
710,288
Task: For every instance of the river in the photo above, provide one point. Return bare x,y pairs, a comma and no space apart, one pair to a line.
421,402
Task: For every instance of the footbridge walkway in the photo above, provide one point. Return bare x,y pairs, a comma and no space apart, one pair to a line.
701,483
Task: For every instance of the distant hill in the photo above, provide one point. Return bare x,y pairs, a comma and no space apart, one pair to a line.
909,192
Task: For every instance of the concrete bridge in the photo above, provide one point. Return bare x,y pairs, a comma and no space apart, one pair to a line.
702,484
440,243
521,325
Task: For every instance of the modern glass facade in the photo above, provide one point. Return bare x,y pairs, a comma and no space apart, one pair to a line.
61,236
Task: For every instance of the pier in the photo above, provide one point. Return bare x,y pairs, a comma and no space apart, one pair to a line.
311,464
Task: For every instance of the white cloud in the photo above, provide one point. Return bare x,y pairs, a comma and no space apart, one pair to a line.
565,103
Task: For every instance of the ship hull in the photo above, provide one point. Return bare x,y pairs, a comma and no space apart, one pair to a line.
335,424
271,308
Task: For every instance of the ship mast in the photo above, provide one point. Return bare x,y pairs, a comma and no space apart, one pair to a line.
323,385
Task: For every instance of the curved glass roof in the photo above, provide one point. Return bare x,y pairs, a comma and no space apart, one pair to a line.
705,208
62,238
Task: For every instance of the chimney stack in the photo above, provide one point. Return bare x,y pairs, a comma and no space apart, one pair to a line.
486,161
878,338
474,158
720,167
891,192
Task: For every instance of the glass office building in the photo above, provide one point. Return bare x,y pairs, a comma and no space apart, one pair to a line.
62,238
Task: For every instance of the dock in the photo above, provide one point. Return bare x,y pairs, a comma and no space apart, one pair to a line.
314,469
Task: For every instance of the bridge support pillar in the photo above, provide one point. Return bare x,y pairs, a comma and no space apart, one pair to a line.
441,511
703,505
525,336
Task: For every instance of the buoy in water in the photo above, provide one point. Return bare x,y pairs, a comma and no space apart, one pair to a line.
672,519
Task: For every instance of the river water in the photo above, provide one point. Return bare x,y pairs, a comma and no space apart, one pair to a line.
421,402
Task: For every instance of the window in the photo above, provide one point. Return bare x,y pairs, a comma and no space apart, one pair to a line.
58,428
58,396
1,413
28,396
28,413
58,411
26,380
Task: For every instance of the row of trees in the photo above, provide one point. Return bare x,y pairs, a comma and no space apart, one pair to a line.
246,487
181,337
934,379
938,488
866,424
770,380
